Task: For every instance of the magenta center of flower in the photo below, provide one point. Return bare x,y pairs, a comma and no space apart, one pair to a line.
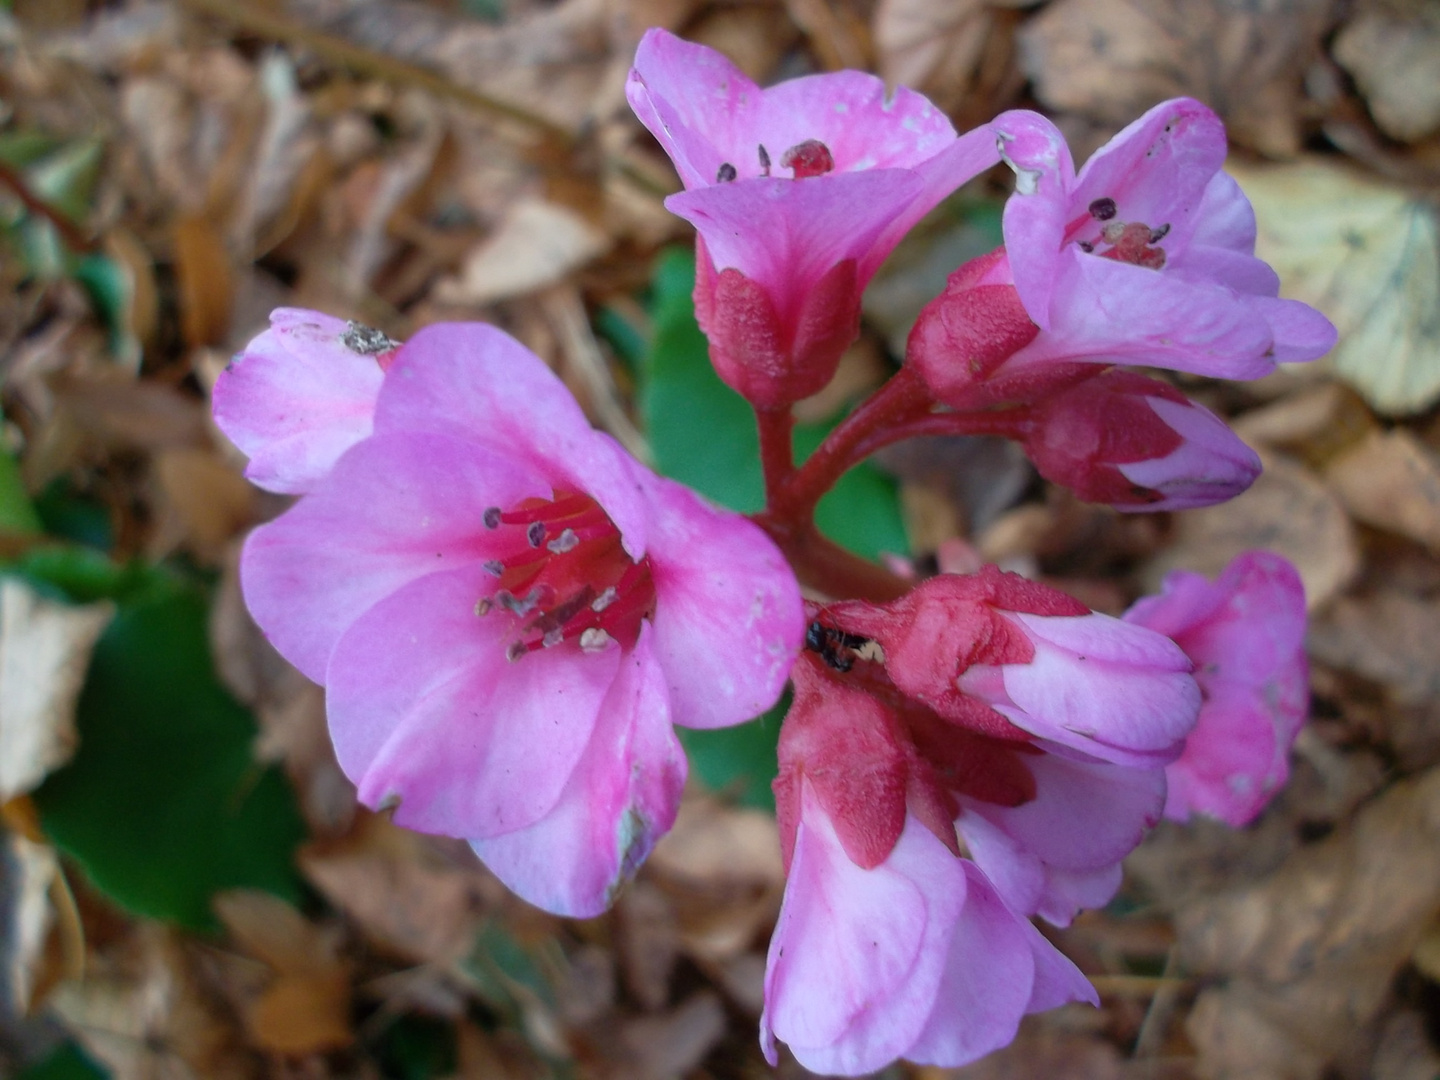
1130,242
572,581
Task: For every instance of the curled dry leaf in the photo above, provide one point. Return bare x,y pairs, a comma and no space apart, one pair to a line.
1288,511
44,652
1393,58
1311,951
1367,254
1113,59
536,245
1391,480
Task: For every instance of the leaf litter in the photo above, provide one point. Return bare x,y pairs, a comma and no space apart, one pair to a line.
404,161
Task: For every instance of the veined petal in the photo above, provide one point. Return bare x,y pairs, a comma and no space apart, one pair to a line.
394,508
1225,219
622,797
296,398
426,710
476,382
728,615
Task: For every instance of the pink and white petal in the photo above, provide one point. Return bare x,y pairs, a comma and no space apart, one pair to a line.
476,382
729,620
1301,333
1210,465
1037,215
296,399
1225,219
1185,599
853,113
394,508
1234,761
988,982
701,107
1017,874
1158,169
1057,980
785,235
1069,892
1200,263
426,710
623,796
856,957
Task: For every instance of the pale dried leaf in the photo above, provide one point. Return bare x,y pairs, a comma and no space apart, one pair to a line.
670,1045
1393,60
1288,511
1405,1051
537,245
713,842
931,45
1391,480
648,943
27,872
1366,254
44,653
271,930
1388,637
1113,59
203,502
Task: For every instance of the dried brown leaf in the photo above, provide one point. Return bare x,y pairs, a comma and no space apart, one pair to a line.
27,873
670,1045
932,46
1388,637
205,277
1393,58
713,842
203,503
537,245
1113,59
44,653
1391,480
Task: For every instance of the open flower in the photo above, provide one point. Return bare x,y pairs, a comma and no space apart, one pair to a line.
1246,634
1147,256
918,957
508,613
798,193
300,395
1137,444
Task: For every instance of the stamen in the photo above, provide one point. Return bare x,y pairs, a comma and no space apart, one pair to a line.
726,173
553,638
491,517
535,533
515,650
1103,209
809,158
516,606
594,639
604,600
494,566
764,161
566,541
483,606
1113,231
1086,245
1156,235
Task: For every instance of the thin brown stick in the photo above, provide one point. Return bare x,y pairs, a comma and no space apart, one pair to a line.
71,233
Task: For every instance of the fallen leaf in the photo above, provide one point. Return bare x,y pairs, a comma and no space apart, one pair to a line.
1388,637
1391,480
536,245
1113,59
711,841
205,277
1366,254
44,652
1289,511
1393,58
933,47
1314,423
27,872
203,503
648,943
670,1045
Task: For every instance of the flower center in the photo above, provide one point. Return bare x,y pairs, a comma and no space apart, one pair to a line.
572,581
1131,242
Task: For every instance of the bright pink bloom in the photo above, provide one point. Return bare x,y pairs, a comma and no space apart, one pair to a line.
798,193
1246,634
508,613
1146,257
300,395
993,650
916,958
1137,444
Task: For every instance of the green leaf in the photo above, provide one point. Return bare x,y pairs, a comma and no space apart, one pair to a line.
164,804
703,433
67,1062
17,513
738,761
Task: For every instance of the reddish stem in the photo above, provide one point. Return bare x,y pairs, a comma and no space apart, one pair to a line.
1007,423
829,568
777,450
70,233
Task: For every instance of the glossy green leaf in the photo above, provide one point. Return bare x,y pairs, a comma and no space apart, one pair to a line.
739,761
17,512
67,1062
164,804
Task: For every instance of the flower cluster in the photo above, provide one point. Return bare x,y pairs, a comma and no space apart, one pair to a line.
509,614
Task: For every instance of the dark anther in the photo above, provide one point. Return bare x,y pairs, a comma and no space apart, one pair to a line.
366,340
764,161
1086,245
535,533
494,566
828,641
726,173
1156,235
491,517
1103,209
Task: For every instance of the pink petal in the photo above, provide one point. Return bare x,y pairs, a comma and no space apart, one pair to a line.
478,383
1036,217
425,709
394,508
1225,218
1017,874
728,615
1201,263
1208,467
1069,892
1057,980
623,796
1300,332
856,957
987,985
296,399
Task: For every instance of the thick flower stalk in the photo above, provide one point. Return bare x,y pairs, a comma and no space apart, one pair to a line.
797,192
508,614
1245,633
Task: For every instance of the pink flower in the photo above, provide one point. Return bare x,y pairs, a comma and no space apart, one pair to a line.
1137,444
508,614
1147,256
300,395
1246,634
994,651
916,958
798,193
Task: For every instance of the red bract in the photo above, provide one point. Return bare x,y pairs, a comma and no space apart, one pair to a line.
798,193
